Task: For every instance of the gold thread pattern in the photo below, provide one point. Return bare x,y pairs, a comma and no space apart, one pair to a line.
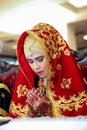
61,105
19,110
65,83
22,90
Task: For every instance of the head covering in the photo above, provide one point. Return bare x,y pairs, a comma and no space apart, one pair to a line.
66,86
31,46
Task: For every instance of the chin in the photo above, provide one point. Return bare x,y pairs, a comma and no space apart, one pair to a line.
42,76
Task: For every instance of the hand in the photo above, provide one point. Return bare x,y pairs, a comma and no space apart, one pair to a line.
39,104
45,106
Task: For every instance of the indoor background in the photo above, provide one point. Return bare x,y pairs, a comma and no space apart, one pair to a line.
16,16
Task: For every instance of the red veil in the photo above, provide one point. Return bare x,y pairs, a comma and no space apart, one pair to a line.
66,85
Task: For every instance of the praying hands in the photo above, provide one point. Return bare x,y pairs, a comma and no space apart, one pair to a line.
39,104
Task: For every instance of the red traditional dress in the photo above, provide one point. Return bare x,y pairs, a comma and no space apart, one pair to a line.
66,85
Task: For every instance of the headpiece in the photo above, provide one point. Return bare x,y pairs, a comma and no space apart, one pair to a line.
31,46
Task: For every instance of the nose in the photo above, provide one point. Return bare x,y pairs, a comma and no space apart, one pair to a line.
36,65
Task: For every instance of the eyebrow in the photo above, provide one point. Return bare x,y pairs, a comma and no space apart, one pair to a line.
37,57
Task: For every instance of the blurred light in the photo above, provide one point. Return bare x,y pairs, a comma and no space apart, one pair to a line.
78,3
85,37
32,12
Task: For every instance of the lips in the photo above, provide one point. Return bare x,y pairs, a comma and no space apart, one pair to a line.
40,72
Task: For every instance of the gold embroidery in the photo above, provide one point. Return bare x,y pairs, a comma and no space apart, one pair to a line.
65,83
19,110
61,105
21,91
67,52
61,43
42,86
55,55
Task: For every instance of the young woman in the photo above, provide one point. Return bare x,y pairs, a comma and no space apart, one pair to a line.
50,82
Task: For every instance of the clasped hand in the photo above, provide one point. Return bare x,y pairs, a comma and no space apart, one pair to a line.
39,103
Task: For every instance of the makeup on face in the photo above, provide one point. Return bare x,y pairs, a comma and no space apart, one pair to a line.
38,64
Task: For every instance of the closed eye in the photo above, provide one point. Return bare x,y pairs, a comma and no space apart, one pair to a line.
30,61
39,59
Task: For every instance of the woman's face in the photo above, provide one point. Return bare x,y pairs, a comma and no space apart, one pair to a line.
38,64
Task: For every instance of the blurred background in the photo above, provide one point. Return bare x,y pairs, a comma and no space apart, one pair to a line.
16,16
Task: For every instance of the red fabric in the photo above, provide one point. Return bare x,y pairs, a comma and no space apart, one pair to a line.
66,86
9,79
8,74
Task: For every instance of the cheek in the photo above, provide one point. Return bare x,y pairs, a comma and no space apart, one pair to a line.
44,68
44,65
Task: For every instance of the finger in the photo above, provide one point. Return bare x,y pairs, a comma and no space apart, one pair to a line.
35,96
37,92
30,97
29,103
32,101
46,99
